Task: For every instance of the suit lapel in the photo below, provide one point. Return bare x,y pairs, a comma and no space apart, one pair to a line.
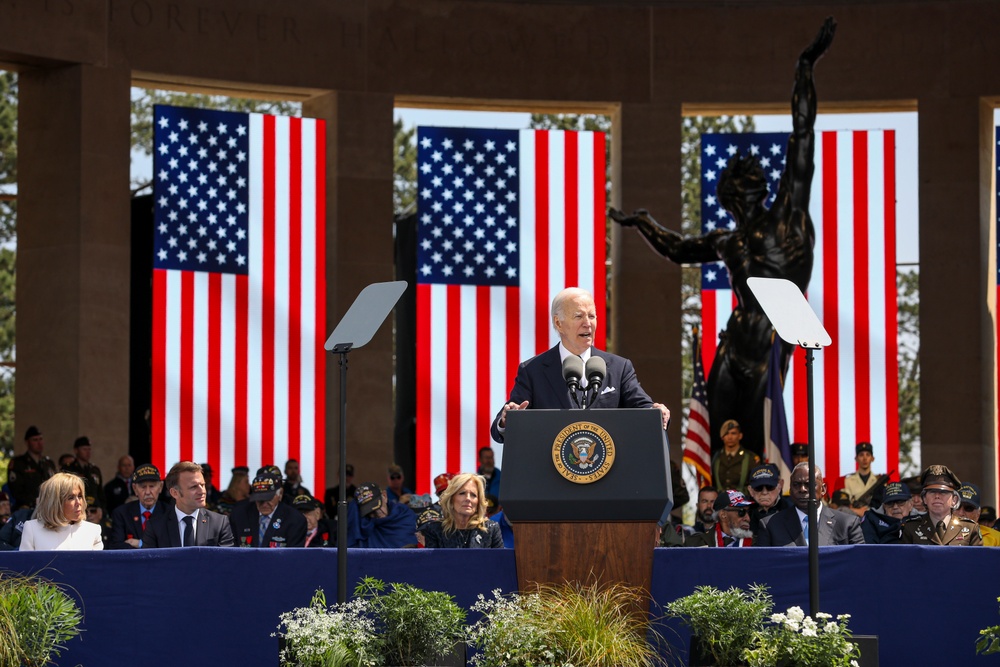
553,373
794,526
174,530
201,532
826,526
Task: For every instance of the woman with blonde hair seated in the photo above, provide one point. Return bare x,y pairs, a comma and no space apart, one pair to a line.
463,522
59,521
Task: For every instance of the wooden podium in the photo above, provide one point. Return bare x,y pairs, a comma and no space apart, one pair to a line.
593,523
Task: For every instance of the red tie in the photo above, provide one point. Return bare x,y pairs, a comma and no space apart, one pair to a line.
145,518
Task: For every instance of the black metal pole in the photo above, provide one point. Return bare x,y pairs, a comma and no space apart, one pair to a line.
813,500
342,500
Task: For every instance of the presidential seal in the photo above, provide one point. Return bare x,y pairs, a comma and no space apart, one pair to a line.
583,452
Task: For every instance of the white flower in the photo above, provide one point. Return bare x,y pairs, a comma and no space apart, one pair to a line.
792,625
843,617
796,613
778,618
831,628
854,663
808,632
823,615
807,622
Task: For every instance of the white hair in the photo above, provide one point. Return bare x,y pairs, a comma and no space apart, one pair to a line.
566,296
805,466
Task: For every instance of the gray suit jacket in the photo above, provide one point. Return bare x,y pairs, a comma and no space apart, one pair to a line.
784,530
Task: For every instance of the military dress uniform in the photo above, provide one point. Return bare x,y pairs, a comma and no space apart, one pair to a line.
25,477
733,471
958,532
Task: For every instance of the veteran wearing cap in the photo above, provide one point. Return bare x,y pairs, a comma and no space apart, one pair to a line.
800,453
732,464
732,525
428,516
128,521
265,521
969,508
857,483
25,473
885,525
765,487
320,531
939,490
384,524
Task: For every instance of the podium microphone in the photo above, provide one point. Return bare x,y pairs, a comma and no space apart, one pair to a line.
596,369
572,371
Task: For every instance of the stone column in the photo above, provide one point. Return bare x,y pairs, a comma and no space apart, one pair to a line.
957,353
646,289
73,250
359,252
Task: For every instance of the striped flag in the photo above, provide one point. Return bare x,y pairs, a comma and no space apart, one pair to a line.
697,446
852,290
507,219
239,291
777,445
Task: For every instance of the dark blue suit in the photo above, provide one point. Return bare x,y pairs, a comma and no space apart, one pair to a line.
163,530
540,382
126,523
287,527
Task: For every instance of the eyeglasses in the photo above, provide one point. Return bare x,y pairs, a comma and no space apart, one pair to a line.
938,492
767,488
739,511
395,477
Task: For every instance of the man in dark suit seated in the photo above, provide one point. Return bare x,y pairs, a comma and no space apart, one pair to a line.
187,523
128,521
539,383
788,527
265,521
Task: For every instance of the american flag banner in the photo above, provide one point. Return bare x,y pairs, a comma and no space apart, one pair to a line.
852,290
239,291
507,219
697,447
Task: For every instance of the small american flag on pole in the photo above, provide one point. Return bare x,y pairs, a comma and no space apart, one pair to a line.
698,436
239,290
506,219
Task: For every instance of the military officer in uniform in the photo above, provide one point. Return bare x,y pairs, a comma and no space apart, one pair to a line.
857,483
939,490
93,479
732,464
25,473
265,521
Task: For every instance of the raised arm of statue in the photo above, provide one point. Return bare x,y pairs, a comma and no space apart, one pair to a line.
798,175
668,243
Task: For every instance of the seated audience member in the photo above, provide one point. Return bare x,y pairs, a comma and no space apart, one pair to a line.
789,526
265,521
841,501
705,512
765,488
489,471
913,483
732,525
494,511
429,515
800,453
939,491
732,464
10,533
96,515
212,494
885,525
237,491
128,521
987,516
383,524
332,495
969,509
118,491
395,490
319,531
188,523
292,486
4,508
59,522
66,463
463,517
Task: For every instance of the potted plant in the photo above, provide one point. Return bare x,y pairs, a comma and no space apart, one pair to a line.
568,624
989,640
413,626
341,635
36,619
796,640
723,623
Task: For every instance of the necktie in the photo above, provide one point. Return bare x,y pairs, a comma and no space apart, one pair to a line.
805,528
263,529
188,531
145,517
941,529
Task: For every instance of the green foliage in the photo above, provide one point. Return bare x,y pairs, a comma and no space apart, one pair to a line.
989,640
565,625
725,622
8,235
796,639
908,356
404,170
36,620
415,627
143,100
342,635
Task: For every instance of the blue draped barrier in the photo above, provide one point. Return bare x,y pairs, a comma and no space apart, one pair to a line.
204,606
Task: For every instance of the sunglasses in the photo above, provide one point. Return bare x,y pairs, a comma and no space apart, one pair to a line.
969,508
766,488
739,511
395,477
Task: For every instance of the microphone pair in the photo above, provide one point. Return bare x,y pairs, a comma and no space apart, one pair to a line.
574,372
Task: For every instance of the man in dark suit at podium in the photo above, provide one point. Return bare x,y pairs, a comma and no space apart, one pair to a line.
540,384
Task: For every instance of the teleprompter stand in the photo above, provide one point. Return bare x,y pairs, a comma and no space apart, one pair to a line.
600,531
357,327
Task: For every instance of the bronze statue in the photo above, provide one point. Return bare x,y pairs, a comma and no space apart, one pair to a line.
775,242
